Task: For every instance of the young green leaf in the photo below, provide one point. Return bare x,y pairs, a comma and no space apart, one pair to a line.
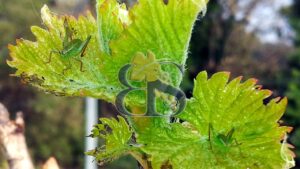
145,68
116,37
245,131
31,59
174,146
116,134
163,29
226,125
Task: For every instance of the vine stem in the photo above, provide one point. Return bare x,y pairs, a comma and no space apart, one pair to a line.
140,157
143,162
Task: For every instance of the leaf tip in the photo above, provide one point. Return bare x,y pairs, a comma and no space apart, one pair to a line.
19,41
227,73
202,75
254,80
282,101
10,47
268,92
289,129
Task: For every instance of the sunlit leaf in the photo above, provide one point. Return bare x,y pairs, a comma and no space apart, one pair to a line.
145,68
30,59
225,125
227,106
117,36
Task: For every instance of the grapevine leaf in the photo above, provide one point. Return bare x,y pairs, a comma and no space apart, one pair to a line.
117,36
162,28
174,146
226,125
116,134
219,107
145,67
30,59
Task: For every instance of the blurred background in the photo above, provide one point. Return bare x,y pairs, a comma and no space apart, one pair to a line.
254,38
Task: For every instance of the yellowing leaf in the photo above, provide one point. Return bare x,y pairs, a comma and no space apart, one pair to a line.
145,67
117,35
30,59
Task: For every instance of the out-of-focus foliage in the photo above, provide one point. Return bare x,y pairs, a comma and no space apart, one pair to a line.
221,42
3,163
13,14
55,129
292,76
210,40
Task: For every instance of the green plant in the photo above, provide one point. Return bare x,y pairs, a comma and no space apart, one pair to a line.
224,125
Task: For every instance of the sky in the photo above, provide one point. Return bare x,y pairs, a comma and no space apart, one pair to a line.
267,21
